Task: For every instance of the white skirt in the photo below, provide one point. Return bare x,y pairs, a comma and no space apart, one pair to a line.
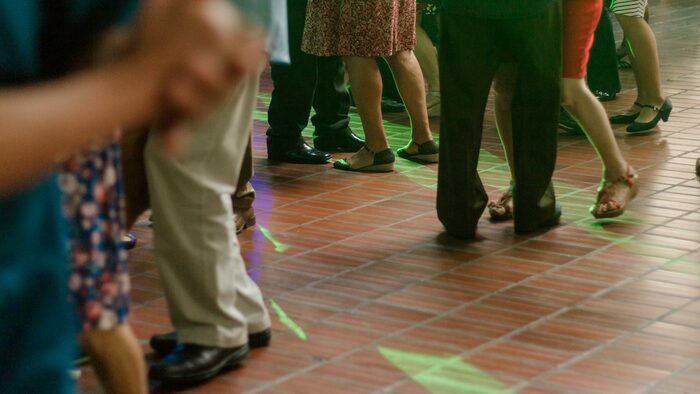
629,7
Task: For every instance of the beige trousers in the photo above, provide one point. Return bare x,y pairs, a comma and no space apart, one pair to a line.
211,298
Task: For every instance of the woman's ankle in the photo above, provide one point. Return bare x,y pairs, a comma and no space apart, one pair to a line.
421,138
617,172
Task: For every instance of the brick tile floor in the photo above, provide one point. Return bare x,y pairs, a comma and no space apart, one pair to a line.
383,302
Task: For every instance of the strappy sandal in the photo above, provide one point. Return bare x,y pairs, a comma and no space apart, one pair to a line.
502,209
607,207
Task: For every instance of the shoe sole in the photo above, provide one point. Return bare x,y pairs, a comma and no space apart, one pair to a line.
374,168
255,341
227,364
419,158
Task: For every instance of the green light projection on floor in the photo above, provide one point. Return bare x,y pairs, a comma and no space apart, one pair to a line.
447,374
495,172
279,246
287,321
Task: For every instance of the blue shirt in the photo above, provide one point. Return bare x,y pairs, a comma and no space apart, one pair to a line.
36,324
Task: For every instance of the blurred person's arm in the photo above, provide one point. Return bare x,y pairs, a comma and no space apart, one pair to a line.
184,57
39,124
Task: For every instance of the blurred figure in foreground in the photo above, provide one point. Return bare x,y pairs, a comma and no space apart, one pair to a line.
182,57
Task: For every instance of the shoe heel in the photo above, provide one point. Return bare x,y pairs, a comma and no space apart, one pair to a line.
389,167
665,115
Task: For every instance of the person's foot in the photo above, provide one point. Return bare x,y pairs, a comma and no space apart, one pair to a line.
392,106
301,153
164,344
502,209
244,218
614,195
650,115
190,363
366,160
628,116
426,152
337,141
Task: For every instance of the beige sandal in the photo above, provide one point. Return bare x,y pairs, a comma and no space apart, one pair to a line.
502,209
608,207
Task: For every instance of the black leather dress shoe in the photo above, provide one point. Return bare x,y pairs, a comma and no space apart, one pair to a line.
302,153
163,344
338,141
190,364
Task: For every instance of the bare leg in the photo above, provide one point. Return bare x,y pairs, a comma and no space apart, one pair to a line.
589,112
117,359
366,82
645,57
619,183
504,87
409,79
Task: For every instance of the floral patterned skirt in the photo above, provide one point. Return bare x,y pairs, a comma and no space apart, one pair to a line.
365,28
94,205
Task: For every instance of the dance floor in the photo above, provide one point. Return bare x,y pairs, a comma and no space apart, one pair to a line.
368,295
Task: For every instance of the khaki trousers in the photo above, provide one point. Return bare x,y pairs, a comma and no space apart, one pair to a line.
211,298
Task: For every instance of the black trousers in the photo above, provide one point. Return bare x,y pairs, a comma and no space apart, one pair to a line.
470,53
602,65
308,81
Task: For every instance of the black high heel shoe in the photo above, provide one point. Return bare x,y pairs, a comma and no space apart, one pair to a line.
662,113
626,118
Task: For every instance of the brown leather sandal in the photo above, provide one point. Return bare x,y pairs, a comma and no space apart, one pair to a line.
607,207
502,209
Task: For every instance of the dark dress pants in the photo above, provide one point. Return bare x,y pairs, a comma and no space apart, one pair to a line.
470,53
308,81
602,65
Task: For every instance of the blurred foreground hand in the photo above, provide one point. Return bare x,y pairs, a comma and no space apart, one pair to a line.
204,47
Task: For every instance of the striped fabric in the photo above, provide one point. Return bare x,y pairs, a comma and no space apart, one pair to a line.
629,7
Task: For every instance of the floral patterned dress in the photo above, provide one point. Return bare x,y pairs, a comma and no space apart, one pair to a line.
365,28
94,204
